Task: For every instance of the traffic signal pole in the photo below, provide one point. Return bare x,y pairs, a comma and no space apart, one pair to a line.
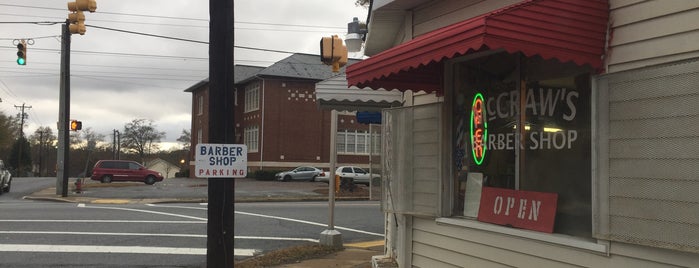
63,115
219,231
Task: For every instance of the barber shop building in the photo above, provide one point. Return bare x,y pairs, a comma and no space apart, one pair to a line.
538,133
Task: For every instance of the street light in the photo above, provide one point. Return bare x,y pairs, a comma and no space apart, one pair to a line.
355,36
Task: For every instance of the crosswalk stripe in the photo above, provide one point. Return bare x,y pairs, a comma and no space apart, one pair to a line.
245,252
101,249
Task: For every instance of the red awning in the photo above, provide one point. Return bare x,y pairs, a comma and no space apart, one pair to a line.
567,30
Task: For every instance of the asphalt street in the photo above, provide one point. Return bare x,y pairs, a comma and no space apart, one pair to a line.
103,225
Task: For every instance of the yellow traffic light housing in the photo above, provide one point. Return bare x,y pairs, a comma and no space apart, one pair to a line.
77,18
22,52
333,52
76,125
77,22
83,5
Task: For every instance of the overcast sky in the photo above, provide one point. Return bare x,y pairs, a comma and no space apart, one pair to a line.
113,78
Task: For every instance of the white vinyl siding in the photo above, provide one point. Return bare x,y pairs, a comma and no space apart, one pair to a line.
646,33
444,244
653,146
412,158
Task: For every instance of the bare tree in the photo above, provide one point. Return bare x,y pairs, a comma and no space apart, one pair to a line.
43,141
141,137
185,139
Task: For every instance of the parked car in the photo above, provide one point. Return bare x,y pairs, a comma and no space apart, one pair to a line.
5,178
107,171
299,173
358,175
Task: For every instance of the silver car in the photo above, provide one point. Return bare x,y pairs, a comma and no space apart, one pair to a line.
299,173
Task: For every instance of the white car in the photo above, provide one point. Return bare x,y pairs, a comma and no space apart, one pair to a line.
358,175
299,173
5,178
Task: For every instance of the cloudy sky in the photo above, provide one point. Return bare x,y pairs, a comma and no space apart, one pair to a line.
117,77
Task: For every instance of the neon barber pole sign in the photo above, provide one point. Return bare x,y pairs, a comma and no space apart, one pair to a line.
479,129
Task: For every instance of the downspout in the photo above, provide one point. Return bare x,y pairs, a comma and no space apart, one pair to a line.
262,123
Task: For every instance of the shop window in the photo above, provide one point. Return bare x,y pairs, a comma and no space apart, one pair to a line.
533,135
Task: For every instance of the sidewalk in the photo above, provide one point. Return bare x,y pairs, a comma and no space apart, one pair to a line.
183,190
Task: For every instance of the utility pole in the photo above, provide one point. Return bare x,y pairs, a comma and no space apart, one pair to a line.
116,144
219,231
63,115
22,116
74,24
41,152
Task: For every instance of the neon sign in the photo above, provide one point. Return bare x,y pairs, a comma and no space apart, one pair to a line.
479,129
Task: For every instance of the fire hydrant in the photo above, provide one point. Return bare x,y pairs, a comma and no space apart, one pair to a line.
78,185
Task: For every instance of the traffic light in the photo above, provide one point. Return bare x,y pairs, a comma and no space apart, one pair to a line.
77,22
333,52
22,52
77,18
76,125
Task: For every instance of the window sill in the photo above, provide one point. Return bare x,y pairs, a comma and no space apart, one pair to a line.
558,239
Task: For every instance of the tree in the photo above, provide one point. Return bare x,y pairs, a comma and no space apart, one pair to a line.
20,158
185,139
362,3
43,142
141,137
85,140
9,129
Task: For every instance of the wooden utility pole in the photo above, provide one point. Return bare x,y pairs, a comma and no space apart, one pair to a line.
221,130
63,115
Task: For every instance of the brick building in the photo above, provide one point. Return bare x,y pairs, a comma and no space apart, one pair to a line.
277,116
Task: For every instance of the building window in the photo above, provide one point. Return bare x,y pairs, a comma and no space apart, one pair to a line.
200,135
252,138
355,142
252,97
200,105
540,142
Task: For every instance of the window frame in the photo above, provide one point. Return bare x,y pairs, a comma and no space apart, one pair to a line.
251,138
447,200
252,97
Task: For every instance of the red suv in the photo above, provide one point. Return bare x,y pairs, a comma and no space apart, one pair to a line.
107,171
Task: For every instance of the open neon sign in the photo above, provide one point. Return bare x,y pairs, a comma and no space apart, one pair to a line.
479,129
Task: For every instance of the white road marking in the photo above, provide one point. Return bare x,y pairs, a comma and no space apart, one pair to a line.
108,221
245,252
166,206
101,249
148,211
277,238
306,222
103,234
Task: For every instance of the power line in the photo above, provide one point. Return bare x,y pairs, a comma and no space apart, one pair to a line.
110,13
147,34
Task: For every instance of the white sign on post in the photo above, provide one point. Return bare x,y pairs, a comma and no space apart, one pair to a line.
221,160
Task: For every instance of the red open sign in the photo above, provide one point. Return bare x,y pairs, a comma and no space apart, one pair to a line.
522,209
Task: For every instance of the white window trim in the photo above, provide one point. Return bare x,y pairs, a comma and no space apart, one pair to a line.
558,239
200,105
356,134
252,97
246,138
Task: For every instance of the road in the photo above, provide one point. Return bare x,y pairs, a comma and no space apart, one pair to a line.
261,227
54,234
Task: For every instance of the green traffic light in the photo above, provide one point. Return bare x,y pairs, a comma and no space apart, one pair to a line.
21,61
